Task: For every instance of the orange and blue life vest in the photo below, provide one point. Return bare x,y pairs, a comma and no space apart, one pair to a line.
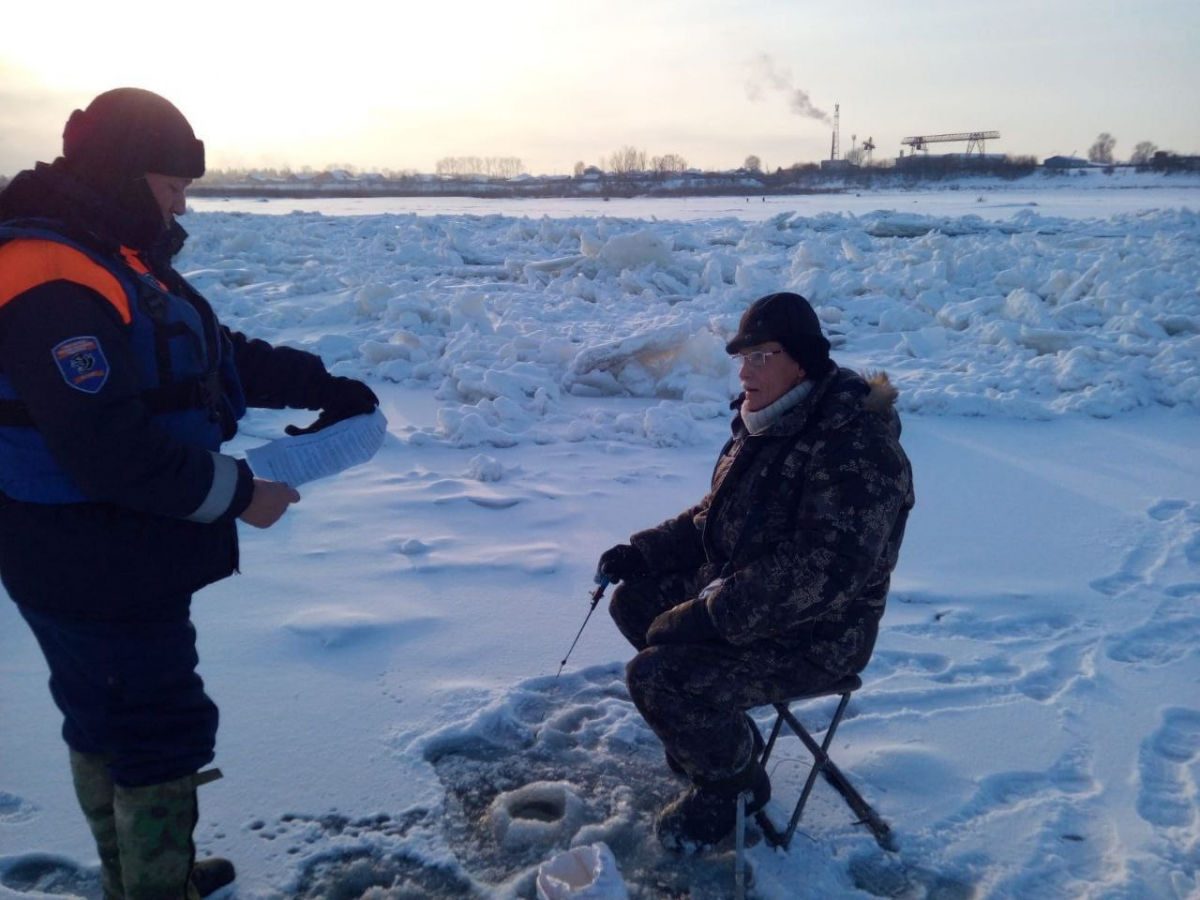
184,360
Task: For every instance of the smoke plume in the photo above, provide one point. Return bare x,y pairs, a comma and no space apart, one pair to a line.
766,77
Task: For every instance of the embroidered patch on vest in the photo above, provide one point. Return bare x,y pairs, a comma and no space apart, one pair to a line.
82,363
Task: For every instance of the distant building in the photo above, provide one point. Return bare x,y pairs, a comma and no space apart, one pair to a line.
1164,159
1065,162
940,160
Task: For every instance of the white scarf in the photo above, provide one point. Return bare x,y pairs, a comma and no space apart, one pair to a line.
758,421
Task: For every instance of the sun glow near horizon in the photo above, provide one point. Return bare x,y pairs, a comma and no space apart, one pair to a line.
401,86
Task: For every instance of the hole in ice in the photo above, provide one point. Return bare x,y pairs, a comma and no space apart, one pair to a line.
540,810
536,814
523,782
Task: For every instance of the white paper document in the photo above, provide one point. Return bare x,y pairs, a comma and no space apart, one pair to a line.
307,457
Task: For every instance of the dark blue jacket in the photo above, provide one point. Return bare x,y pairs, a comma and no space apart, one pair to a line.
132,506
185,365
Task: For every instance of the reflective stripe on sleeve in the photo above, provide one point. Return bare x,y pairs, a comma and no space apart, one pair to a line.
220,495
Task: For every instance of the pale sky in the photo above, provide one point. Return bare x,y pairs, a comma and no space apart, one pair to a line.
399,85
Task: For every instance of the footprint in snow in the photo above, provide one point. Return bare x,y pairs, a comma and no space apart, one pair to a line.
15,809
1072,852
1068,779
888,876
347,859
1064,666
1183,589
1174,530
41,873
1167,793
1166,509
992,668
1136,568
1191,550
1162,640
994,630
891,662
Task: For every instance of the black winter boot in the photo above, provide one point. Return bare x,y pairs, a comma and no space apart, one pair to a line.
706,813
210,875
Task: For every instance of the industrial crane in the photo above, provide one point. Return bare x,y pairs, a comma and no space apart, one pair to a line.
973,138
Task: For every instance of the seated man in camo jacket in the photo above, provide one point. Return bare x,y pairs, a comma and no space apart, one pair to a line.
774,584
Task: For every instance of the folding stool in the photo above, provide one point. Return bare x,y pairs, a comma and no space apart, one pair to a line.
822,765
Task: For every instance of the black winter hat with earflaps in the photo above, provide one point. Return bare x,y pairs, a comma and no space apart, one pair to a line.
789,319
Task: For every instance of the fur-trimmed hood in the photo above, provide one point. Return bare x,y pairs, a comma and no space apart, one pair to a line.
883,395
837,398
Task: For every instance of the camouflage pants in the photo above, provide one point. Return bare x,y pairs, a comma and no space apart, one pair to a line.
694,696
143,834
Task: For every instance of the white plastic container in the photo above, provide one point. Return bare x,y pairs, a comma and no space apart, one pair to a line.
582,873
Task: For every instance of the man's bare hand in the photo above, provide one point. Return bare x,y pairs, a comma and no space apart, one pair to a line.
270,501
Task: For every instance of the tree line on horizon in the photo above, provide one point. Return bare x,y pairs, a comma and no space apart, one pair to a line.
630,162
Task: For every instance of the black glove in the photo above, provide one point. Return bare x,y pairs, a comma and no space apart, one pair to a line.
622,562
339,398
687,623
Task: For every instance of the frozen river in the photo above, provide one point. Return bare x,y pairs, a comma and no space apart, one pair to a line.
555,378
1076,197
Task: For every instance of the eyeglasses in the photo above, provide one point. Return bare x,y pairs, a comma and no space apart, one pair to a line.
756,359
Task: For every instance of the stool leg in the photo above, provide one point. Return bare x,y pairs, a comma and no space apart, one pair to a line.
822,765
837,780
837,718
866,815
774,734
820,760
739,859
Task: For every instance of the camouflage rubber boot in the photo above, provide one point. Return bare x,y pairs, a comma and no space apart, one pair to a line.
94,790
706,813
154,832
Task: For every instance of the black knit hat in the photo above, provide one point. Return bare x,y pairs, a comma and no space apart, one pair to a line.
127,132
789,319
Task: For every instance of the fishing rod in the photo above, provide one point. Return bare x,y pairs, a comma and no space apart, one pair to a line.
602,582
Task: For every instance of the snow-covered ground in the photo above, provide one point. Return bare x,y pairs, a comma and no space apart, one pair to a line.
554,380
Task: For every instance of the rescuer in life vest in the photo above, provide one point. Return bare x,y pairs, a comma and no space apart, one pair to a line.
118,386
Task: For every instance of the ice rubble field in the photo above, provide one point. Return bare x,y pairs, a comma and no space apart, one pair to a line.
385,667
1028,317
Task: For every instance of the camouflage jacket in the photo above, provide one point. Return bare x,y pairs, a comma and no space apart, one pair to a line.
803,522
